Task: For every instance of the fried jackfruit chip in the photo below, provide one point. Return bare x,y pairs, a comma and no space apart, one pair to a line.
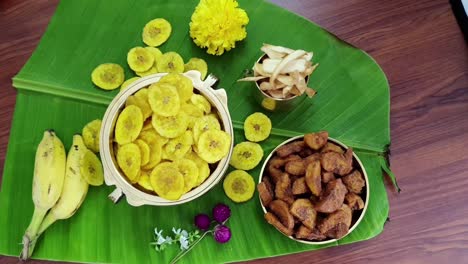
281,210
283,189
316,140
333,197
273,220
290,148
354,182
305,212
336,225
340,164
313,178
354,201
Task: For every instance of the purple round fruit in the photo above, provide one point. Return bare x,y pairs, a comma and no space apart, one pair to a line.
222,234
221,213
202,221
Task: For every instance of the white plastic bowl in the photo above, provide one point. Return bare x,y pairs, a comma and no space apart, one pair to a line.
112,174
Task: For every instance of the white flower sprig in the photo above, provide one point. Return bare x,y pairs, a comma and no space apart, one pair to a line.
182,237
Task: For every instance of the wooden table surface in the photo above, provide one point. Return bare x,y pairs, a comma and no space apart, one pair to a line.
423,53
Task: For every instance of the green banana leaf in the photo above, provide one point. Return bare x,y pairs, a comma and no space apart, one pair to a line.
55,91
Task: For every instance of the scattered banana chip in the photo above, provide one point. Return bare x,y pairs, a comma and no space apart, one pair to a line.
140,59
213,145
164,99
151,70
167,181
205,123
198,65
203,167
156,53
257,127
192,112
91,168
155,143
189,171
201,102
177,147
91,135
156,32
140,99
170,62
129,124
108,76
182,84
282,73
246,155
144,151
129,160
239,186
170,126
127,83
144,181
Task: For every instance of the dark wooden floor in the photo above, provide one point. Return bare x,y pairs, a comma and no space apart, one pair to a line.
423,53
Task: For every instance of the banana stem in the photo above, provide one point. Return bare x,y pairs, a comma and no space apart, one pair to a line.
29,237
48,221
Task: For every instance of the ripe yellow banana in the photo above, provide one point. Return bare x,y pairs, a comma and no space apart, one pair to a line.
49,174
75,187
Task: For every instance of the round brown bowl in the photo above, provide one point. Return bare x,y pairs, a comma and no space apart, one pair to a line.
357,218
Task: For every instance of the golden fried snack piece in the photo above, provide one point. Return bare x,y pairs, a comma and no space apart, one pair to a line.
330,147
275,165
354,182
309,234
295,167
305,212
327,177
281,210
300,187
333,197
290,148
316,140
274,170
265,192
311,158
273,220
306,152
354,201
336,225
340,164
283,189
313,178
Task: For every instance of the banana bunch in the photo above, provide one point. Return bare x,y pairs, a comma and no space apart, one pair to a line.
60,184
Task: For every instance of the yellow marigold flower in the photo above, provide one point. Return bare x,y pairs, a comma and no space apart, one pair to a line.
217,25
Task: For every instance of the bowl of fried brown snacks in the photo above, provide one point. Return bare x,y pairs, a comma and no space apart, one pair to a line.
313,189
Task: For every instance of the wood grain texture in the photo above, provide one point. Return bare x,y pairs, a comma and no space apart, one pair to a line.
421,49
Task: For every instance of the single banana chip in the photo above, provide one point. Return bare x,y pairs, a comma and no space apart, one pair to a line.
183,85
151,70
125,84
129,124
201,102
144,181
91,168
140,100
171,62
108,76
129,160
156,53
91,135
239,186
155,143
170,126
257,127
156,32
167,181
164,99
246,155
189,171
192,112
177,147
144,151
205,123
213,145
198,65
140,59
203,167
